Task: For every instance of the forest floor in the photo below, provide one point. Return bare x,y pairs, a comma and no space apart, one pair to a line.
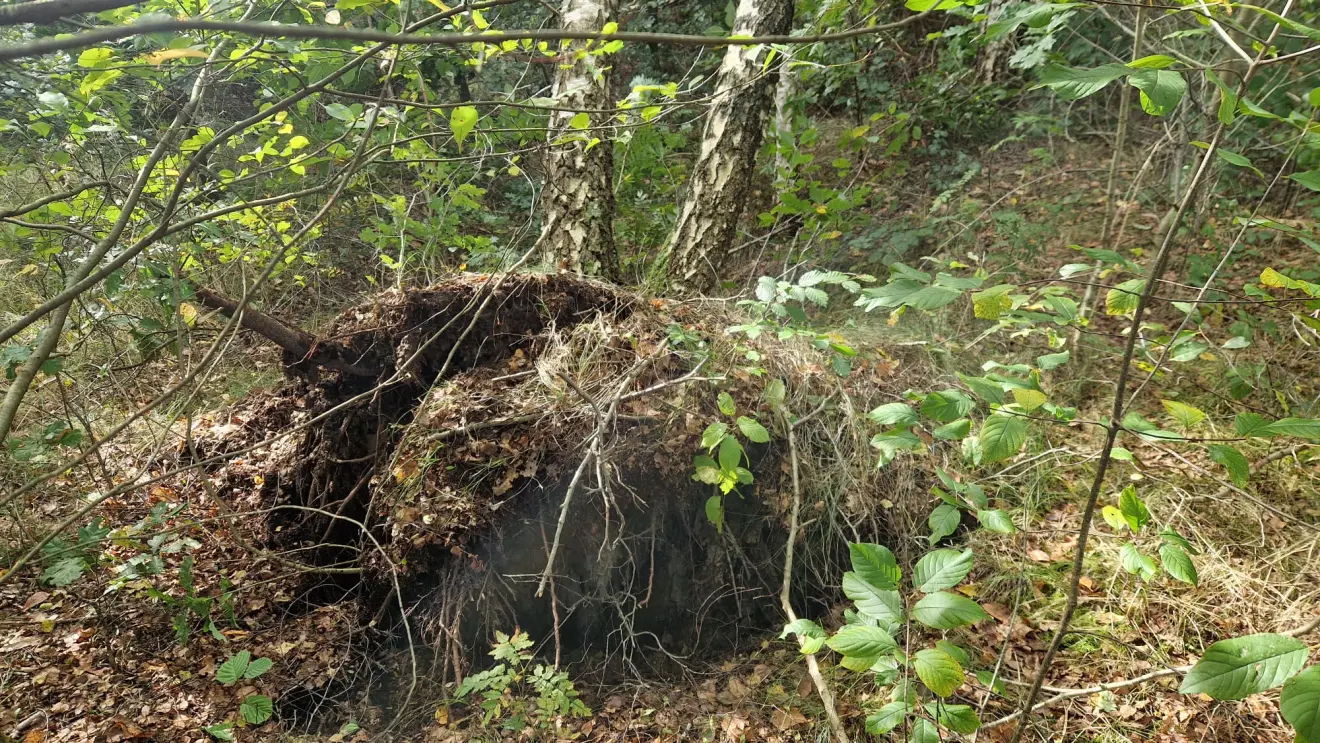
102,661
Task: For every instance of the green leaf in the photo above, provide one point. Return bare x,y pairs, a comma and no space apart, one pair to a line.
753,430
876,565
992,682
942,610
715,511
984,388
943,521
1161,90
1053,360
1075,83
1114,518
713,435
1028,398
1121,454
1250,424
894,413
938,671
1178,564
811,636
953,431
941,569
726,404
462,120
947,405
996,521
222,731
862,641
884,605
1300,704
887,717
233,669
960,718
1309,178
1234,158
95,57
731,454
340,111
258,667
775,392
1002,435
1123,298
1136,563
1133,508
1304,428
581,121
1228,99
1153,62
1186,415
924,731
1239,667
64,571
256,709
993,303
1232,460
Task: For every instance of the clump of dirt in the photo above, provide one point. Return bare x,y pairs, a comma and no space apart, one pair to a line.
521,456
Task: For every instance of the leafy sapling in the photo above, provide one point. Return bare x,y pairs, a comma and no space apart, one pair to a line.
867,642
255,709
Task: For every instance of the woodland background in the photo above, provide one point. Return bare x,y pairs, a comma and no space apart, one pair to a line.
654,370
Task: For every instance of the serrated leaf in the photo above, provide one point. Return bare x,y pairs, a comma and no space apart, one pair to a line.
753,430
887,717
1178,564
222,731
64,571
1002,435
1135,562
875,564
880,604
725,403
1124,297
258,667
941,569
946,405
1028,398
960,718
894,413
1161,90
1239,667
811,636
1053,360
996,521
985,389
1249,424
862,641
1075,83
1304,428
939,671
1133,509
730,454
953,431
713,435
1232,460
256,709
1187,416
715,512
943,521
775,392
943,610
1300,704
233,669
924,731
1309,178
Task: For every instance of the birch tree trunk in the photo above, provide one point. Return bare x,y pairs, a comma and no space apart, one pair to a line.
577,198
722,174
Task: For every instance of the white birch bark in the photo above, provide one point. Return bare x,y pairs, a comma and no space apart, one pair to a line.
722,174
577,196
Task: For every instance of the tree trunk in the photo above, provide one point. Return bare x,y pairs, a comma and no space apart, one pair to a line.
722,174
577,198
